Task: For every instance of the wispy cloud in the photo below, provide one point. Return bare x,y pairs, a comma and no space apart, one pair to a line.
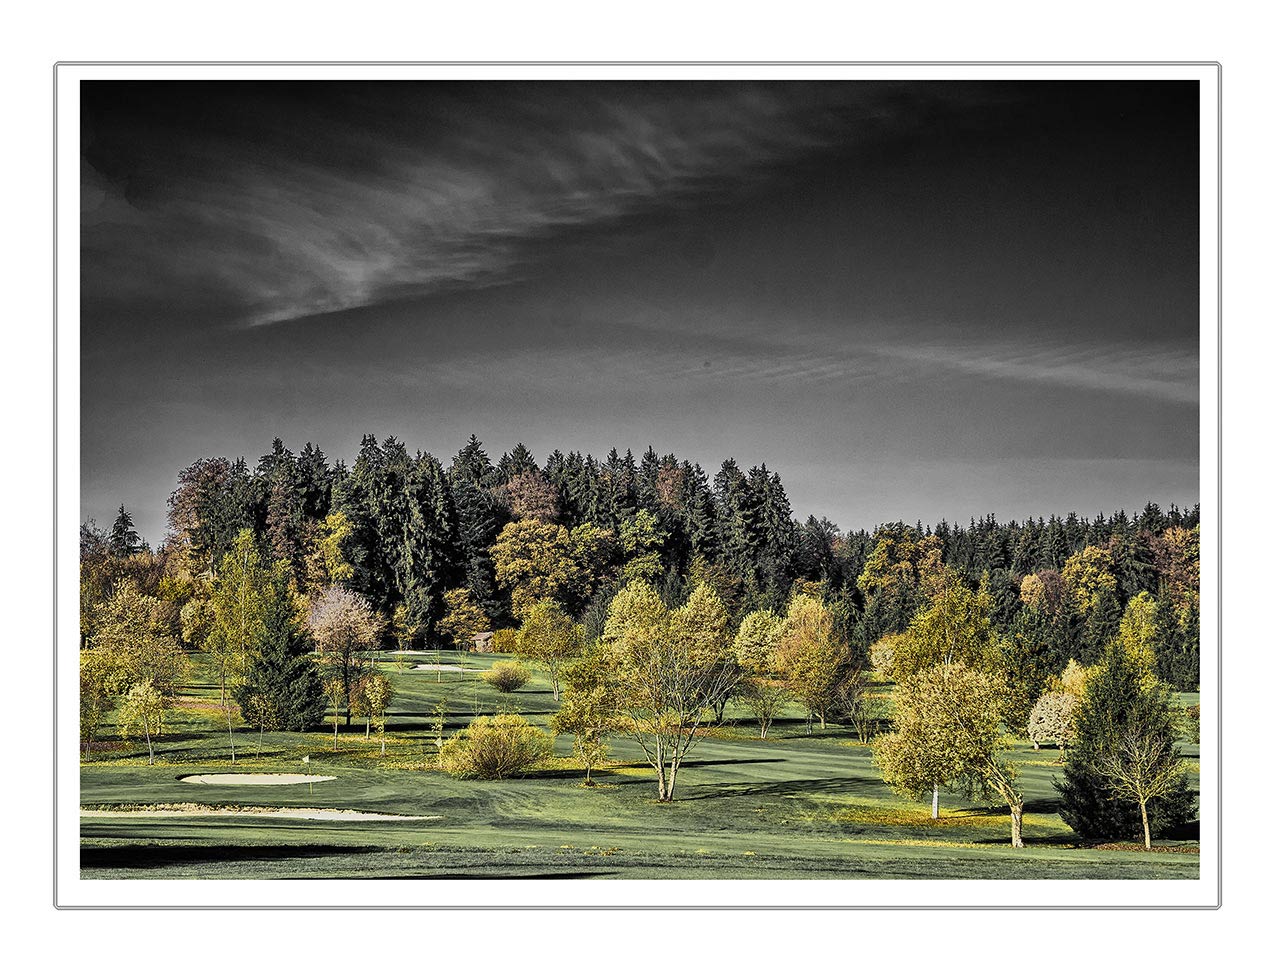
1159,372
460,196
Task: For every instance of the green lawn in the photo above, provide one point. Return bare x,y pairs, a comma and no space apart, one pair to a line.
796,805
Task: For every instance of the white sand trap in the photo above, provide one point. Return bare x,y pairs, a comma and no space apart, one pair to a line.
283,813
252,779
447,668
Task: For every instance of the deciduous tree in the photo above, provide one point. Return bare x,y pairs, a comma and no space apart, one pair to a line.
588,710
947,731
238,600
376,693
143,707
344,627
463,618
535,561
1141,766
665,680
757,640
810,657
1052,720
550,637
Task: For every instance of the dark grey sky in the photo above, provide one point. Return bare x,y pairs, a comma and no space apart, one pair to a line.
913,300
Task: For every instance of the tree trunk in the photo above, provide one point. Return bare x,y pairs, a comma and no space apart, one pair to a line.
934,814
335,729
1146,825
151,757
1015,820
660,763
822,719
231,736
367,721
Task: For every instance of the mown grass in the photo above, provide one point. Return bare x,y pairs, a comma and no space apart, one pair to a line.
795,805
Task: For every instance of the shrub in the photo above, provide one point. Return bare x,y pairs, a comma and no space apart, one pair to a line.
494,748
504,640
507,676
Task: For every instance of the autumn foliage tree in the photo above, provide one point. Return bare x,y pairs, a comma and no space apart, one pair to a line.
754,647
143,708
588,709
237,606
810,657
550,637
947,730
535,561
371,698
463,617
666,677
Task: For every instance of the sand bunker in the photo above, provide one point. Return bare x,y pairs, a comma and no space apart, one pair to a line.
284,813
252,779
447,668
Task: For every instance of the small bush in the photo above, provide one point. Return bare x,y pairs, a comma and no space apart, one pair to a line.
494,748
507,677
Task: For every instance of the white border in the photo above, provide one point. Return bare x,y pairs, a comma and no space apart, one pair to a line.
71,891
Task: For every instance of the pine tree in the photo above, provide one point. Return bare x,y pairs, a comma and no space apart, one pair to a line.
282,687
1119,699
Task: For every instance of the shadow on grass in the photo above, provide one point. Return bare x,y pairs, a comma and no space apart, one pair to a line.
576,772
152,856
788,788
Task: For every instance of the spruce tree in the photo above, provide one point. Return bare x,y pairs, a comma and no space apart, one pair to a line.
124,540
1121,697
282,673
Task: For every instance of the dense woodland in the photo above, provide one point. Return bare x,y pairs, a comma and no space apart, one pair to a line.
422,543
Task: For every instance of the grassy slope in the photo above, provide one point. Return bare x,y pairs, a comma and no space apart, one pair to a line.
796,805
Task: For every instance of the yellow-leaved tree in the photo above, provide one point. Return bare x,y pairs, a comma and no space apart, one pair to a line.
667,670
810,657
947,731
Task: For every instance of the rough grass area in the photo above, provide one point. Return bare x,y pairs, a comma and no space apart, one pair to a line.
795,805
